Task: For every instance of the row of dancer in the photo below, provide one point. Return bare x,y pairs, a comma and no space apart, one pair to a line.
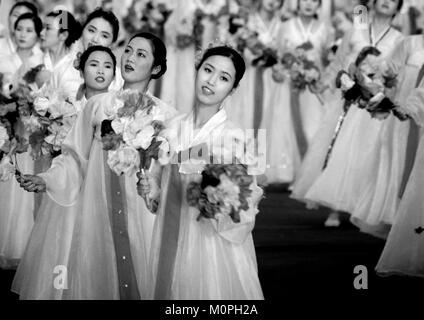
91,220
370,167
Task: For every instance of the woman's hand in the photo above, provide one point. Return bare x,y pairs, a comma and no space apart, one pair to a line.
31,183
143,185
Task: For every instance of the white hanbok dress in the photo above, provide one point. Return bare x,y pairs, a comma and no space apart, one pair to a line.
350,165
403,253
178,81
202,259
378,203
105,240
17,205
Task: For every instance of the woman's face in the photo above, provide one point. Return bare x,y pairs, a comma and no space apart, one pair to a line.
137,61
98,71
271,5
215,80
25,34
308,8
50,34
386,7
98,32
14,15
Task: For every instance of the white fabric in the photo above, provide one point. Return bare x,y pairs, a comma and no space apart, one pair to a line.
213,261
77,177
350,166
378,203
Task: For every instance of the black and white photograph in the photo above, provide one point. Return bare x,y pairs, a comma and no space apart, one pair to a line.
212,158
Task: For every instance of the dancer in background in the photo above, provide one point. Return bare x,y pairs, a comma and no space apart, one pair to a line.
336,179
17,209
8,43
403,253
378,203
100,28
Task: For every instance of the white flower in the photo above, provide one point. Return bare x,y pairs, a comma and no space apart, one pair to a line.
4,137
120,124
31,123
111,110
226,194
143,139
62,107
157,114
125,160
346,82
164,151
7,169
41,105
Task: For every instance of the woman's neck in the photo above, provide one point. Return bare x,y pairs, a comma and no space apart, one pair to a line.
203,114
89,92
24,54
266,15
380,22
141,86
57,53
306,20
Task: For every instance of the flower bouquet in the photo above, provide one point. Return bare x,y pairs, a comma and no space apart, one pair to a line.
147,15
48,118
368,83
132,134
223,191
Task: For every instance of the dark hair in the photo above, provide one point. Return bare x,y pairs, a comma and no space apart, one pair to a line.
366,52
228,52
67,23
159,52
109,16
38,24
86,54
30,6
400,4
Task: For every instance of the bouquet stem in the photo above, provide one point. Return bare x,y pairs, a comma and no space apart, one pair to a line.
145,197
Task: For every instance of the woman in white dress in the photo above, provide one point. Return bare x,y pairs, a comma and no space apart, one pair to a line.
378,203
16,211
8,43
100,28
403,253
206,258
177,83
246,105
350,165
109,249
57,39
293,117
50,239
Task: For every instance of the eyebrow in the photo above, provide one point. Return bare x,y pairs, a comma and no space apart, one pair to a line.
211,66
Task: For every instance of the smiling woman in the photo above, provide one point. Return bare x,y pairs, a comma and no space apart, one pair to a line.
194,258
101,219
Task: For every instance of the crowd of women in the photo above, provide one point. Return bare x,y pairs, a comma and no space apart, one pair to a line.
207,68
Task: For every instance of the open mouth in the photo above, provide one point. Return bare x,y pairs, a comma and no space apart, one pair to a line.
128,68
207,91
100,79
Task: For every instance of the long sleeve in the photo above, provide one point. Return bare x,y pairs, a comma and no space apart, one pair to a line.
414,106
238,232
66,174
339,62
